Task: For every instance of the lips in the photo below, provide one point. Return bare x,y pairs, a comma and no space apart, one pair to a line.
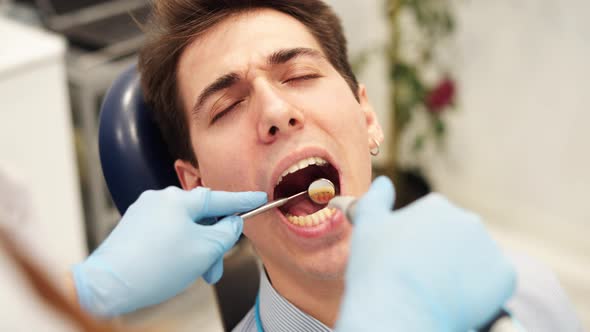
295,177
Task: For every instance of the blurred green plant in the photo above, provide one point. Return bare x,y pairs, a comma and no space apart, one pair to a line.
419,81
421,25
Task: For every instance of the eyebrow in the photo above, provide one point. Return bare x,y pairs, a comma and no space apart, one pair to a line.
284,55
228,80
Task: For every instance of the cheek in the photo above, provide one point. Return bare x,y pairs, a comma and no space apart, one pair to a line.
263,236
253,229
335,103
340,114
223,164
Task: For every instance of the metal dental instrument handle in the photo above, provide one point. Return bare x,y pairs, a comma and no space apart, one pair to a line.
321,186
271,205
346,204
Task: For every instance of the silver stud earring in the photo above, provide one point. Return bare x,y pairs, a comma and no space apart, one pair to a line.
375,151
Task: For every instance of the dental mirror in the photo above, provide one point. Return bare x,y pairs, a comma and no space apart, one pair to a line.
320,191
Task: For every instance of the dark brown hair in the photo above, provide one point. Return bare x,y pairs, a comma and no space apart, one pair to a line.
176,23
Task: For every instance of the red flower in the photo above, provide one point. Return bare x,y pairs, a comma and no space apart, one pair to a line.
441,96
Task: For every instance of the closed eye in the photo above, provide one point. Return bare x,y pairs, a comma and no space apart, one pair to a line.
302,78
225,111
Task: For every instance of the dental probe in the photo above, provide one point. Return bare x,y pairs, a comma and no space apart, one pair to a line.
502,322
320,191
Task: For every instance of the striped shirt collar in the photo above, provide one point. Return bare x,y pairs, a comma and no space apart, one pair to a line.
278,314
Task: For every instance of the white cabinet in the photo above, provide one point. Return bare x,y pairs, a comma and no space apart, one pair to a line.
37,151
36,137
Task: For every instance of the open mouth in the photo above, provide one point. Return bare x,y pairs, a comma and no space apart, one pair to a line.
297,178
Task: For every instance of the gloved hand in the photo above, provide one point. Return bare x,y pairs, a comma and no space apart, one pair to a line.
430,266
160,247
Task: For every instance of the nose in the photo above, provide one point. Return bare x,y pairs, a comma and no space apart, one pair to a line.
278,117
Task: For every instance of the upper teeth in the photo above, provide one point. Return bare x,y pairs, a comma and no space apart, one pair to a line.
301,165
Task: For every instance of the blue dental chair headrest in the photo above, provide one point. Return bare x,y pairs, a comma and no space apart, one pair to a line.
132,151
134,158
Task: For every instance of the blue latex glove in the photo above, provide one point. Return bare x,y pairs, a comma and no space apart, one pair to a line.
159,248
428,267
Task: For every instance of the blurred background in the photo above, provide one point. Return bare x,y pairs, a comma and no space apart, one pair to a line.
482,101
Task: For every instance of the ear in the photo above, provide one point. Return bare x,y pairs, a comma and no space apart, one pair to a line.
373,127
188,175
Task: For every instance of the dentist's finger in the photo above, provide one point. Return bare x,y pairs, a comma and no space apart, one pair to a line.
204,203
380,197
226,232
215,272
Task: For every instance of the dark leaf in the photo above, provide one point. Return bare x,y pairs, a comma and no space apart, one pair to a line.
418,143
439,127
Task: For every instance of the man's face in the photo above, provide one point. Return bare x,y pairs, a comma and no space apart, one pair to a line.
261,97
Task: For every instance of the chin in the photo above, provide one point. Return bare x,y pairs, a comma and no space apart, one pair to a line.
326,275
328,264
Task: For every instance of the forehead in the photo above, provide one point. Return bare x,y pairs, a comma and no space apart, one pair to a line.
241,43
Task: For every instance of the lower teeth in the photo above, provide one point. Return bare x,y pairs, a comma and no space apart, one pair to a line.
312,219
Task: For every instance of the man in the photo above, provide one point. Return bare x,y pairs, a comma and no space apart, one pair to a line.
258,95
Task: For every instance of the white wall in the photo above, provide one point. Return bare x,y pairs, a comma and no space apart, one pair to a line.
521,132
519,149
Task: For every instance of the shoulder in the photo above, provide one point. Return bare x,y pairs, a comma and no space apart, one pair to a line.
247,324
539,302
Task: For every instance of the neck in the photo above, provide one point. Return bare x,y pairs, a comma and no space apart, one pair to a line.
317,298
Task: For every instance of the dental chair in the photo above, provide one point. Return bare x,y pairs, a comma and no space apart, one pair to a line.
134,158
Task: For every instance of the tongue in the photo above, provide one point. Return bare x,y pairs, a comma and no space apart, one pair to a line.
301,207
